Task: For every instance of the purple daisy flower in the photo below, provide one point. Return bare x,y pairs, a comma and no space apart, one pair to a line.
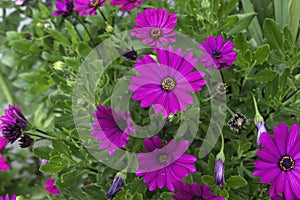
155,27
88,7
3,143
13,123
164,165
3,165
194,191
6,197
112,128
217,53
64,8
279,161
126,4
166,84
50,187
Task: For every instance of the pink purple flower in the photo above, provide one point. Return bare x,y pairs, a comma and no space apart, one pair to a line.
112,128
261,128
217,53
279,161
64,8
166,84
163,165
88,7
6,197
126,4
219,173
3,143
155,27
194,191
3,165
13,123
50,187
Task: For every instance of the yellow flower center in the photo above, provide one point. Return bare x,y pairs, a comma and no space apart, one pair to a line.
94,3
155,32
168,84
286,163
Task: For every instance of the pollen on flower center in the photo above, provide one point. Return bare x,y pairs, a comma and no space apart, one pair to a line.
217,54
163,159
94,3
155,32
286,163
168,84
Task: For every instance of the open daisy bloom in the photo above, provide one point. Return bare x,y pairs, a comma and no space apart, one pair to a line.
88,7
155,27
217,53
164,164
126,4
112,128
166,84
194,191
279,161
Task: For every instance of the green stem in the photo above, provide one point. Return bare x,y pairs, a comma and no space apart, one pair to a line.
222,144
6,91
87,31
102,14
230,111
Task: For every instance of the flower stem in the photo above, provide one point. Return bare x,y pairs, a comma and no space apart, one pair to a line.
102,14
230,111
87,31
6,91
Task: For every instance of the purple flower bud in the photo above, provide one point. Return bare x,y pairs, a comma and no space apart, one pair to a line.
25,141
219,173
260,129
114,188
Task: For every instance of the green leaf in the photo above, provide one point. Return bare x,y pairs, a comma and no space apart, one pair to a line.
229,22
254,27
241,43
243,23
84,49
281,10
236,182
72,32
273,34
42,152
264,75
51,168
224,193
71,176
294,7
208,180
59,37
262,54
61,147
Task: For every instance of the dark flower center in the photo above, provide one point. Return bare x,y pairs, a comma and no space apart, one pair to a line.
197,198
217,54
168,84
286,163
163,159
156,32
132,0
238,121
94,3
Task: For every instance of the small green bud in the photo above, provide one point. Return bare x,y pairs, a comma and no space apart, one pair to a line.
108,28
58,65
